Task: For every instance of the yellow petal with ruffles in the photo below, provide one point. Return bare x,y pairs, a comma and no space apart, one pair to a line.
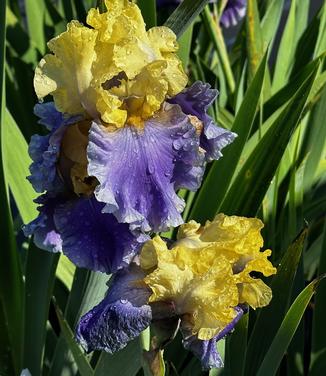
151,87
206,273
109,107
163,39
153,250
67,74
235,234
116,70
255,293
206,299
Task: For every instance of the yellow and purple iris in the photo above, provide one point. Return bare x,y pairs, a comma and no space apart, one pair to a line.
124,135
204,280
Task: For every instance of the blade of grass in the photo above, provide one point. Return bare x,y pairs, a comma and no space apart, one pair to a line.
215,33
307,45
221,171
185,46
287,92
318,346
295,351
271,20
254,38
316,141
287,330
6,361
80,10
286,51
255,176
184,15
66,9
148,10
95,291
320,46
35,14
18,39
16,168
117,363
62,354
236,348
270,318
11,283
84,367
40,276
65,271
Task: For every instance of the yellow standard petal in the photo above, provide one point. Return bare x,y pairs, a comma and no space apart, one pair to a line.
67,74
115,70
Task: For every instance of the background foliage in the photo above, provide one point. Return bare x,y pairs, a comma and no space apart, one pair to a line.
271,78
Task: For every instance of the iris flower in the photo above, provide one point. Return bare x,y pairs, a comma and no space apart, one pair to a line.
203,280
131,134
233,11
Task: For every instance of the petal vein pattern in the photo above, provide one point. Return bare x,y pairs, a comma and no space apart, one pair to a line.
120,317
138,171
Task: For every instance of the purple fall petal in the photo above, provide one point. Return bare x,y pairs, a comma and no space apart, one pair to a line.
206,351
44,150
45,234
50,117
233,12
92,239
139,170
195,100
120,317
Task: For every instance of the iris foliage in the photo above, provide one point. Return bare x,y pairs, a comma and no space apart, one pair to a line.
271,77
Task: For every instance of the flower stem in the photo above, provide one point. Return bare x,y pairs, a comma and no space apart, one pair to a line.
215,32
145,346
145,339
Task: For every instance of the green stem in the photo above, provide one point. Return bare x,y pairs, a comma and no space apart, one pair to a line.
215,32
145,338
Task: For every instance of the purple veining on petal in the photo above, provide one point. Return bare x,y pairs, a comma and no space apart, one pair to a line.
89,238
120,317
44,150
139,170
195,100
206,351
92,239
233,12
45,234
